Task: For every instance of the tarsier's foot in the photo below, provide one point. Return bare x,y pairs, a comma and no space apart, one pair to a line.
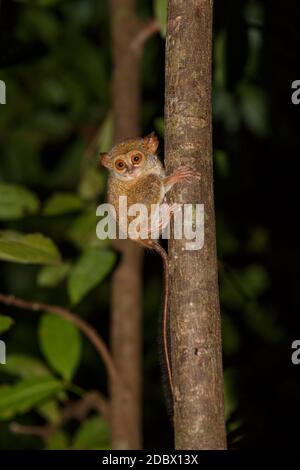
170,210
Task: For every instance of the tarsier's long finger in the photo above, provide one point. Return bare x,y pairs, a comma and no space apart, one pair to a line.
186,172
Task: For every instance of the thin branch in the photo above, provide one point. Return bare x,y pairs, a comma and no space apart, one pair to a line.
87,329
146,32
78,410
126,305
44,432
93,400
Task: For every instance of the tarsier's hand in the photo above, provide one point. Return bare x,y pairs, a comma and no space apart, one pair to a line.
181,174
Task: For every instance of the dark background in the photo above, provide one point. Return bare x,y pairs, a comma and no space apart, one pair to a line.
55,61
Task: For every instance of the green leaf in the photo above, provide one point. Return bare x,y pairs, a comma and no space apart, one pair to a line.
53,92
57,441
5,323
254,109
255,280
161,14
226,110
33,248
106,134
27,394
221,163
51,276
82,231
26,366
61,344
16,201
92,434
39,25
92,184
62,203
159,125
92,267
49,411
254,13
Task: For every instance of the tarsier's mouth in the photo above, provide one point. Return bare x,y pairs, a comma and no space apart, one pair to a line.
132,171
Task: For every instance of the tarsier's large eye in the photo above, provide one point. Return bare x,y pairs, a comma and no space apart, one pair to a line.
136,158
120,164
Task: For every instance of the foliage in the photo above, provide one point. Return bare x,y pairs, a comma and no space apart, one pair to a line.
50,185
26,394
160,10
92,435
28,248
60,344
5,323
89,271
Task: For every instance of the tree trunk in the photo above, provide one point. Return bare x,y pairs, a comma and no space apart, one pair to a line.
126,417
194,304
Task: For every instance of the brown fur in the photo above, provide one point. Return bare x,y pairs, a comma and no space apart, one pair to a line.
148,188
143,183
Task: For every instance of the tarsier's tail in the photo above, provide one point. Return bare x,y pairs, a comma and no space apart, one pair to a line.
159,249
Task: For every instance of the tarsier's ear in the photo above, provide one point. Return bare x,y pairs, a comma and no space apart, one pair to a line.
105,160
151,142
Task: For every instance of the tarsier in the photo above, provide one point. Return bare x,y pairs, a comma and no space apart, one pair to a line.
137,173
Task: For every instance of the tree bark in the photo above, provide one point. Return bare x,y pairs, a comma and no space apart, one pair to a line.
126,338
194,301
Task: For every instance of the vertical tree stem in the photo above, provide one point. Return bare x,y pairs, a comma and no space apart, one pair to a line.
127,279
194,304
